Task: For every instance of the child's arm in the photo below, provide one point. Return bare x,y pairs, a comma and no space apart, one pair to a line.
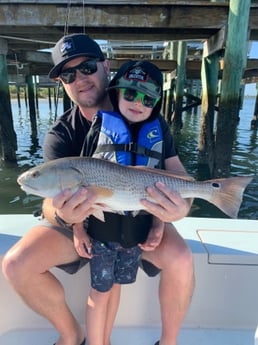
155,235
81,241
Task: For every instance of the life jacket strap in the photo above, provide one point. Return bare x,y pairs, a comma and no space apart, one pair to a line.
130,147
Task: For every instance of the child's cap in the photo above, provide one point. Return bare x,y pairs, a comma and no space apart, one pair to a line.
142,76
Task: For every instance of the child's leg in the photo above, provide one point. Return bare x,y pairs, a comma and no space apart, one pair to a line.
112,307
104,295
100,315
96,311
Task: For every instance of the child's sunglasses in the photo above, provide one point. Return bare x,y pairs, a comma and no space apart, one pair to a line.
88,67
132,95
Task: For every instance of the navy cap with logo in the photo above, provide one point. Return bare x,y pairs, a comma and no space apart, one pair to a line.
73,46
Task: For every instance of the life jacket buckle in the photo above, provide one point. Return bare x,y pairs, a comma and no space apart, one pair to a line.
131,147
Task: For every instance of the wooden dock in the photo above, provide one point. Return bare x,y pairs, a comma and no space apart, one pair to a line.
28,26
209,37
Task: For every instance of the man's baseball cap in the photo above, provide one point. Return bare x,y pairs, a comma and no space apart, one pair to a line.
142,76
73,46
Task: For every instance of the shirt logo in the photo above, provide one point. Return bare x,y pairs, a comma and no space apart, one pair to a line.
154,133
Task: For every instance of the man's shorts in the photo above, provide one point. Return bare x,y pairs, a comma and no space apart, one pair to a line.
75,266
111,263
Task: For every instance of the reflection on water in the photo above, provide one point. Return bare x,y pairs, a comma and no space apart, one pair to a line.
244,161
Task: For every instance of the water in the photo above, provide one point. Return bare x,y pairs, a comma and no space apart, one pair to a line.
13,199
244,160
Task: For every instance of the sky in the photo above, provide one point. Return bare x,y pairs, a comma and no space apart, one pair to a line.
250,89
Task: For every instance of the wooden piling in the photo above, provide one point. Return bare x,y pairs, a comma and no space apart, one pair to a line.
254,121
170,53
18,96
181,59
209,76
168,101
7,132
32,107
49,99
36,94
234,64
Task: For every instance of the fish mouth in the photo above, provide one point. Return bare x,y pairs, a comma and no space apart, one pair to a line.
31,191
28,189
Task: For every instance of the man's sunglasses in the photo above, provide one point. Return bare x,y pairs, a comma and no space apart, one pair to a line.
132,95
88,67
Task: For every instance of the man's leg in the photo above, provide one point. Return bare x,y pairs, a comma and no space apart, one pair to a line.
174,258
26,267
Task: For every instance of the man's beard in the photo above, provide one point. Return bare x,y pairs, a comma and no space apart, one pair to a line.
96,100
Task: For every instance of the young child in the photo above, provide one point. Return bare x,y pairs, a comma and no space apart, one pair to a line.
133,134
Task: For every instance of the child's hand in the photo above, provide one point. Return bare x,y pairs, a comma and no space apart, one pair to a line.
81,240
155,235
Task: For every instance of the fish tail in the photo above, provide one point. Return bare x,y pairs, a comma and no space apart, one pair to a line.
228,193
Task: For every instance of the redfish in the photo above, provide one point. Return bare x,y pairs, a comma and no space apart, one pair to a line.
120,188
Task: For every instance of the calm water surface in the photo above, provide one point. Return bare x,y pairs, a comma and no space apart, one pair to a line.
244,160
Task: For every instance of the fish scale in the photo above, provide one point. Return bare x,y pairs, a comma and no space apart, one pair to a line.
121,188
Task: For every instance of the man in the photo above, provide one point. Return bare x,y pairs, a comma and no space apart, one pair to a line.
84,71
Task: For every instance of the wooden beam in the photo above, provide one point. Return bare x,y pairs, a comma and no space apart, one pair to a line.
215,43
140,14
136,20
164,65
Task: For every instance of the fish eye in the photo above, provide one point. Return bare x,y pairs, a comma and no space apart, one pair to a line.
35,174
215,185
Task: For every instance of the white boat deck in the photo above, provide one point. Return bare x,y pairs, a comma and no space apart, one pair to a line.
136,336
224,309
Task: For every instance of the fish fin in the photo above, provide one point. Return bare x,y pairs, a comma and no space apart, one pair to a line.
104,208
181,175
101,192
228,193
135,213
99,214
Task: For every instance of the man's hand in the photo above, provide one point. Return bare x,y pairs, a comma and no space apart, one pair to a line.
71,207
168,205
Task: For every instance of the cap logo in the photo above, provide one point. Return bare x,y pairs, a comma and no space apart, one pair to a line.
67,47
137,74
